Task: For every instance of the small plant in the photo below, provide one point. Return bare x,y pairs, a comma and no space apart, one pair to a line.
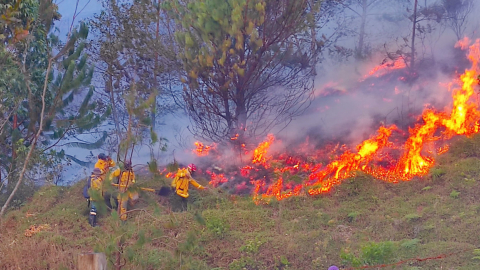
349,258
252,246
476,253
378,253
217,226
371,254
282,264
412,217
242,263
454,194
437,173
426,188
352,215
410,244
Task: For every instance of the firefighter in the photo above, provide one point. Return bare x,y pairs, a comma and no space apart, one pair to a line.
96,184
104,163
127,178
181,182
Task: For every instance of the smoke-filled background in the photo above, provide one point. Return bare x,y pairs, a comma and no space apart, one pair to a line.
363,80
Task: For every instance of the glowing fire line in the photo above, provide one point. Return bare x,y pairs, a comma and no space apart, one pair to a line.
461,120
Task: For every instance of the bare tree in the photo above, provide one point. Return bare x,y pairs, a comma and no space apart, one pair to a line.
249,65
362,9
426,12
457,15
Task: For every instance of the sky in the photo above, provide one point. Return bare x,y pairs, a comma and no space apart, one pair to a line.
86,9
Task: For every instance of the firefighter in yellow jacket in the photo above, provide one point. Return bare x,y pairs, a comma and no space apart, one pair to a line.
127,178
104,163
96,185
182,180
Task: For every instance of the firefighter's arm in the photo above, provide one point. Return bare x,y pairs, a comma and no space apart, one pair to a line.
196,184
133,178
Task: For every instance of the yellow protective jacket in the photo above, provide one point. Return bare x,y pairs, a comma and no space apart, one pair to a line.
127,179
114,174
96,183
182,180
103,165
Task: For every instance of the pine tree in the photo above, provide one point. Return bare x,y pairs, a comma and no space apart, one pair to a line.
36,64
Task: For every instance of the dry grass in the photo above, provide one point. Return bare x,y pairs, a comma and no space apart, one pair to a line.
424,217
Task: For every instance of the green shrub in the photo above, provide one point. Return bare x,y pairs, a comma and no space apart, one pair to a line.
218,226
437,173
454,194
378,253
352,215
410,244
252,246
371,254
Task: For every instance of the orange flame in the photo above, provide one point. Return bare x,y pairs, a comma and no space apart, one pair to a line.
462,120
415,156
260,153
202,150
217,179
384,68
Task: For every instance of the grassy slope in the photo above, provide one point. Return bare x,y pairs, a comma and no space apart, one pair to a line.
440,212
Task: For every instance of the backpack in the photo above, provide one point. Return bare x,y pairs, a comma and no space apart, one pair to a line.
182,173
87,187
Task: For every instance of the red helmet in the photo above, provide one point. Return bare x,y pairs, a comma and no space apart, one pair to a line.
192,167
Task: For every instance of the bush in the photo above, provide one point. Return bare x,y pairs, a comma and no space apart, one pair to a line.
218,226
371,254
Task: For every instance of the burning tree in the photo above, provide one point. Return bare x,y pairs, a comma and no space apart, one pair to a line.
249,64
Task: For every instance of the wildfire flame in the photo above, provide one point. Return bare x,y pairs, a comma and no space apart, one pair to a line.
203,150
260,153
384,68
416,156
217,179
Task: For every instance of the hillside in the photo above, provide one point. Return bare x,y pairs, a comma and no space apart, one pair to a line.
363,221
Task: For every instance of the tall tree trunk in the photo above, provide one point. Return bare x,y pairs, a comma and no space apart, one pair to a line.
15,126
109,86
361,38
157,33
241,116
412,60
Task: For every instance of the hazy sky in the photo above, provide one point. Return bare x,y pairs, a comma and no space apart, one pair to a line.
86,9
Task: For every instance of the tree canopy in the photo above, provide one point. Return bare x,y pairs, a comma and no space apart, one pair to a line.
249,65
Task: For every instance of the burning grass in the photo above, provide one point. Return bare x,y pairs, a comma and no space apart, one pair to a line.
391,155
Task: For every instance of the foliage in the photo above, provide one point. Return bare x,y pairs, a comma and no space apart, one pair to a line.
371,254
27,66
252,246
134,65
249,65
454,194
218,226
